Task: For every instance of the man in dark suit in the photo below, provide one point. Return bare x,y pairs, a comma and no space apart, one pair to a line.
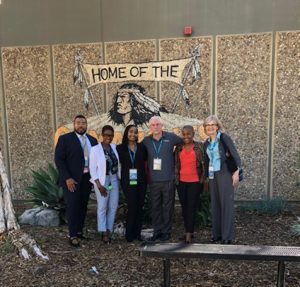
72,161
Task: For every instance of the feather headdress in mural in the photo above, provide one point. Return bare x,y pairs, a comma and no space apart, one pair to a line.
142,109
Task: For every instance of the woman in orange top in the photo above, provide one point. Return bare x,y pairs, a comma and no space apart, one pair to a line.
189,177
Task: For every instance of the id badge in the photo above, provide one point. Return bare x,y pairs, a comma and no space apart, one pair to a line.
211,172
157,164
133,176
109,187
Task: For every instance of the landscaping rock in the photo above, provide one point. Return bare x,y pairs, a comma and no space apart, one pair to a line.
40,216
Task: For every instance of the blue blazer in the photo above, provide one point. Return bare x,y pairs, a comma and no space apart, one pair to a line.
69,157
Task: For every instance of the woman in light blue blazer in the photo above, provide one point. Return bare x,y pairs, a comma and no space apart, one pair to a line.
104,170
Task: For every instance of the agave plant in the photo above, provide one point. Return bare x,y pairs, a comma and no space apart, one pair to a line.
45,189
296,227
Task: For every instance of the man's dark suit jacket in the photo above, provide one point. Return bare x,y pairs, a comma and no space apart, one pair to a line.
69,157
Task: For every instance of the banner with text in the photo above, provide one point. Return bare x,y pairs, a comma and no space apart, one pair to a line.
151,71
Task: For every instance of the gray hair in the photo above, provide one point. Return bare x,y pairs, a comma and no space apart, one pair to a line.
156,118
215,120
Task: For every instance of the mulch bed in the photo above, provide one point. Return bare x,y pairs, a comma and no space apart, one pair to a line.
119,264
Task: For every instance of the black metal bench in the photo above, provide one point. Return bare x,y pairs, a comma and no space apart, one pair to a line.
168,251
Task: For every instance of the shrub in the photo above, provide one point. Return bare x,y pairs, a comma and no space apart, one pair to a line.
203,215
45,189
271,207
296,227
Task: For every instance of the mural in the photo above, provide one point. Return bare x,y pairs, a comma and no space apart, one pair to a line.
131,104
39,95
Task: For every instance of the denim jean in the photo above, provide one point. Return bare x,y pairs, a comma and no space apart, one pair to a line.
107,206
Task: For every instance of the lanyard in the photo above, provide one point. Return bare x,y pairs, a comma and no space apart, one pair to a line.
132,155
157,150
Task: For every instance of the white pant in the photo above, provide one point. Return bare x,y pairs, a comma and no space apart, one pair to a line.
107,206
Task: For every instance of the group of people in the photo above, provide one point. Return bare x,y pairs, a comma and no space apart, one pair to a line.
164,161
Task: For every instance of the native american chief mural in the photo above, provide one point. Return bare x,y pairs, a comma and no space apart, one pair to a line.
131,104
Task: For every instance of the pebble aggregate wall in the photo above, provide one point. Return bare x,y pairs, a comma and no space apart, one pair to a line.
2,117
69,97
243,95
287,116
200,91
130,52
28,94
40,96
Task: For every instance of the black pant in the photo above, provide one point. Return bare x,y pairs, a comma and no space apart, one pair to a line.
135,197
162,201
76,205
189,193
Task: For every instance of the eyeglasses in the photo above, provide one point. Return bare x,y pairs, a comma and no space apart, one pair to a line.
108,135
210,125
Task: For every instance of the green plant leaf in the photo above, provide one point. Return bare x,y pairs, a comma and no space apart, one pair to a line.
45,188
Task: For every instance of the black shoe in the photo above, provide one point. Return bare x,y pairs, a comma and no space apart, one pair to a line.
106,238
154,237
82,237
74,241
139,238
165,237
226,242
215,240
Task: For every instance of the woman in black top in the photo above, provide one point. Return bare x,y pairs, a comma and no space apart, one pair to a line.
133,180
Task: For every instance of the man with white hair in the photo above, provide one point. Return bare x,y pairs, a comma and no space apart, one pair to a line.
160,146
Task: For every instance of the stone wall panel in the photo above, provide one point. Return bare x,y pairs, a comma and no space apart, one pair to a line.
286,154
68,96
2,109
199,91
27,80
130,52
243,94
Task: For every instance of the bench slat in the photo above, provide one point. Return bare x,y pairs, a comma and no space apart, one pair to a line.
218,251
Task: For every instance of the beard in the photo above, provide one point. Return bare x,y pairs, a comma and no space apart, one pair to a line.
80,131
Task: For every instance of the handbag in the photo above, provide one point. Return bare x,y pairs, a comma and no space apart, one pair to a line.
230,162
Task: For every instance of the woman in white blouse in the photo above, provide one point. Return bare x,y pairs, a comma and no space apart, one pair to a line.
104,170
